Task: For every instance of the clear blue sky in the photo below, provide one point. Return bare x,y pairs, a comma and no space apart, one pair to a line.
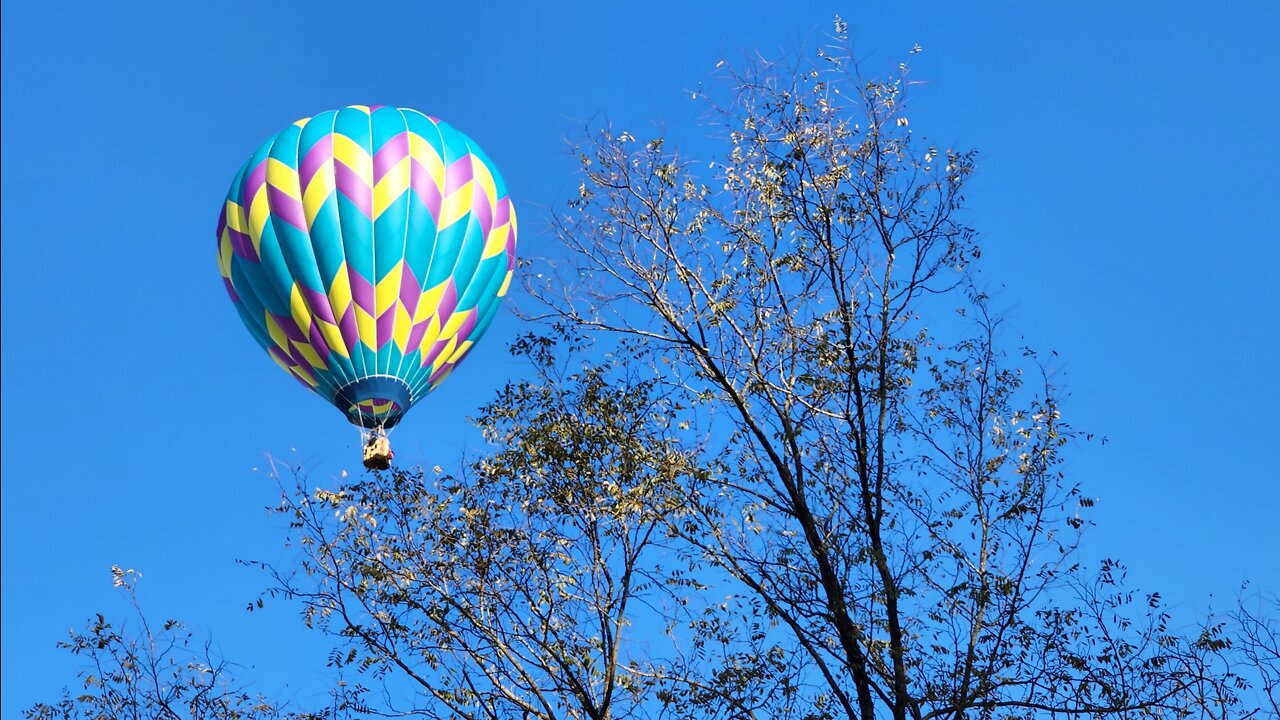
1127,194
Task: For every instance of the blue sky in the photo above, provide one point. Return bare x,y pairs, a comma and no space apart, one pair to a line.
1126,195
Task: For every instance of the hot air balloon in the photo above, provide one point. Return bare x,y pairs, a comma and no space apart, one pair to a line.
366,249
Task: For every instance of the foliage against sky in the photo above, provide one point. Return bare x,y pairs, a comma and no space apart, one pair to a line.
1124,160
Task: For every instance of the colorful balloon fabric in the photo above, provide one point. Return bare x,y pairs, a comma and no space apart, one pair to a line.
366,250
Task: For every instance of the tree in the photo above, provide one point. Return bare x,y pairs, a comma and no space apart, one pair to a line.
885,483
774,460
160,674
506,592
1257,635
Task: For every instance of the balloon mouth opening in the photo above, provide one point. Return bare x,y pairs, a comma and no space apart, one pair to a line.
374,402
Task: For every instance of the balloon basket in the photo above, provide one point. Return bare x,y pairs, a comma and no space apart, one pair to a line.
377,450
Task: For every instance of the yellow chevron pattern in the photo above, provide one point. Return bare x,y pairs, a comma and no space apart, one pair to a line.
305,315
391,187
355,157
289,350
428,158
317,192
340,292
283,178
387,291
456,205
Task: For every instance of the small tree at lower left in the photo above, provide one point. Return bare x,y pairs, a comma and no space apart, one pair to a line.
163,672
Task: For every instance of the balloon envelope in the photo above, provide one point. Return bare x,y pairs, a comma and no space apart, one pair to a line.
366,249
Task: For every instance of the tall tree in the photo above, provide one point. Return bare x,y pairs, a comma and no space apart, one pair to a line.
884,482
